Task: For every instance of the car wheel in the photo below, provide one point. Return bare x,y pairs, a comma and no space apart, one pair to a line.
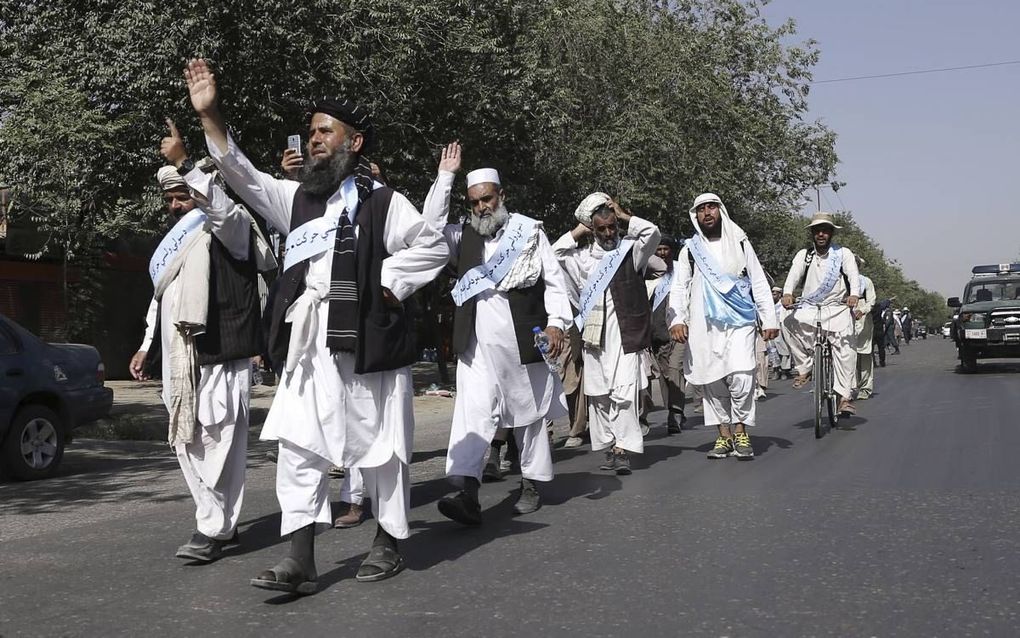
34,444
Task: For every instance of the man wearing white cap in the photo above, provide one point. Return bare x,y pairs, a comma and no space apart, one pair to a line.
509,285
864,332
614,318
338,330
206,307
831,289
719,297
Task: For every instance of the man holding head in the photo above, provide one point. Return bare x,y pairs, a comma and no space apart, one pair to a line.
355,250
204,316
509,284
831,289
614,318
720,296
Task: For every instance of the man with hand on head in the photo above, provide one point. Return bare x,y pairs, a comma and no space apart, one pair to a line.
509,285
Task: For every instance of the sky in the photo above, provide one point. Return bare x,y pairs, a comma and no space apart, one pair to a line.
930,161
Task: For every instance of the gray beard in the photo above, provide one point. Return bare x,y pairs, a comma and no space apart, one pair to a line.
323,177
489,226
608,244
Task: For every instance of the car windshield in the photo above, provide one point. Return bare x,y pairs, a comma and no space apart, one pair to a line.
993,290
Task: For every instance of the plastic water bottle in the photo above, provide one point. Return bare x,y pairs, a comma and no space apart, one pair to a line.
543,346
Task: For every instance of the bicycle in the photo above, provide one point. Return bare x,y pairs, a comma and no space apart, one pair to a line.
822,377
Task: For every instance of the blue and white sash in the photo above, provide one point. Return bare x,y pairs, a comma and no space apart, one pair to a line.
728,299
662,288
178,237
599,280
488,275
835,265
318,235
862,287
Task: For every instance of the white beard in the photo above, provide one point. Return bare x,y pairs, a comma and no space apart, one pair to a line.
489,226
607,245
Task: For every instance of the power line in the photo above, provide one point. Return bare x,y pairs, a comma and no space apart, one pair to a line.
921,72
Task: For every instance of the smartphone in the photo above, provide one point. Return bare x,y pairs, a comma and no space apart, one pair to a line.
294,142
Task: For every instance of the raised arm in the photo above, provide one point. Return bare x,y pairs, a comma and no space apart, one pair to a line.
646,239
417,250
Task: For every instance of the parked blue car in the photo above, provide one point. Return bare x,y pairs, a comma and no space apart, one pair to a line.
46,390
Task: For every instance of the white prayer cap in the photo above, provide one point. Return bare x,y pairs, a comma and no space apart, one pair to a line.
704,198
483,176
588,205
776,289
170,179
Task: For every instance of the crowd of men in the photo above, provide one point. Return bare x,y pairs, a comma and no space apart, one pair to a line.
576,327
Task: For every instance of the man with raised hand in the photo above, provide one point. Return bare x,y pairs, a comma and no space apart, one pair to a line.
720,296
355,250
831,289
205,316
614,318
509,285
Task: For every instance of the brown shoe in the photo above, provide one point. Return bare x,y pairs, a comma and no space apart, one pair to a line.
354,516
801,381
846,407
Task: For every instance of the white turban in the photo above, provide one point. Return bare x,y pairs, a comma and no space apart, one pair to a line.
483,176
170,179
732,252
589,205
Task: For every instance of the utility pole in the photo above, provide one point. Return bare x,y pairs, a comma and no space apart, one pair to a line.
818,200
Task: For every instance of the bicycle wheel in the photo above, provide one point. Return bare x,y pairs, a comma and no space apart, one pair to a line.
818,383
830,394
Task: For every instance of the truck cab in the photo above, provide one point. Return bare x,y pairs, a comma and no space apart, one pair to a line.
987,325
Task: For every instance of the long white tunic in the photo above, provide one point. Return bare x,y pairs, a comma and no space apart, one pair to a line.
865,328
608,370
835,315
351,420
714,351
520,394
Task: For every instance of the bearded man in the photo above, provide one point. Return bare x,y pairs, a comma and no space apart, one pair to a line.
204,317
719,297
614,319
831,289
509,284
355,250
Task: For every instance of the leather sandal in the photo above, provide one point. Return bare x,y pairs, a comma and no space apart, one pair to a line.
801,381
287,576
381,563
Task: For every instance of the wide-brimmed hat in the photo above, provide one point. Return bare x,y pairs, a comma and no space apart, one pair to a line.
822,219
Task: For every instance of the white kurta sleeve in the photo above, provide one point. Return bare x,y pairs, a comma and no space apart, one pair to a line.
417,250
150,325
680,292
268,196
851,272
453,233
557,300
437,204
868,301
760,289
228,221
797,271
646,239
565,251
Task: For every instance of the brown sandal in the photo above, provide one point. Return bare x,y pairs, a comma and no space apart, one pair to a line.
801,381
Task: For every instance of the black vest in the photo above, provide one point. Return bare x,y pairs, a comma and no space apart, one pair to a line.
633,310
385,338
527,305
233,330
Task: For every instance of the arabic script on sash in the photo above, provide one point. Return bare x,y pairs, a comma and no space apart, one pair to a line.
599,280
488,275
174,241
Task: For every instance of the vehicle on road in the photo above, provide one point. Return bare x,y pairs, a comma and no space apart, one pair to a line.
947,329
921,332
46,390
988,322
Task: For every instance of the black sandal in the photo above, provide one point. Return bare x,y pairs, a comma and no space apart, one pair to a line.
381,563
287,576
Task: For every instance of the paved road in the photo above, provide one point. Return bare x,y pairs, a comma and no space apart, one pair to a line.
904,525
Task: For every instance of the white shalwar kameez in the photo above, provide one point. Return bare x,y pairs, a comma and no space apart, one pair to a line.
864,330
213,463
494,389
836,318
720,358
613,379
323,413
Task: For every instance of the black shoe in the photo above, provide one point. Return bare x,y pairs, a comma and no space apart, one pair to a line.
461,508
529,501
672,426
610,462
492,473
201,548
622,463
381,563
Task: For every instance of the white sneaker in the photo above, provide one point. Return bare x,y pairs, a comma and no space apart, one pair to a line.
759,393
573,441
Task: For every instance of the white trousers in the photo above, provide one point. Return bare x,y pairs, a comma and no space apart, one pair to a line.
865,375
465,455
730,400
213,465
844,356
353,490
615,422
302,487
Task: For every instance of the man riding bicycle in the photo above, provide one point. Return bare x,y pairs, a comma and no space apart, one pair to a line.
831,285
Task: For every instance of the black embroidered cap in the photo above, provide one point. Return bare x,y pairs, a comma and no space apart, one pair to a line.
349,113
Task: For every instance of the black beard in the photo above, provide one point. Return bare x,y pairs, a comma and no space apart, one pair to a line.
323,177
